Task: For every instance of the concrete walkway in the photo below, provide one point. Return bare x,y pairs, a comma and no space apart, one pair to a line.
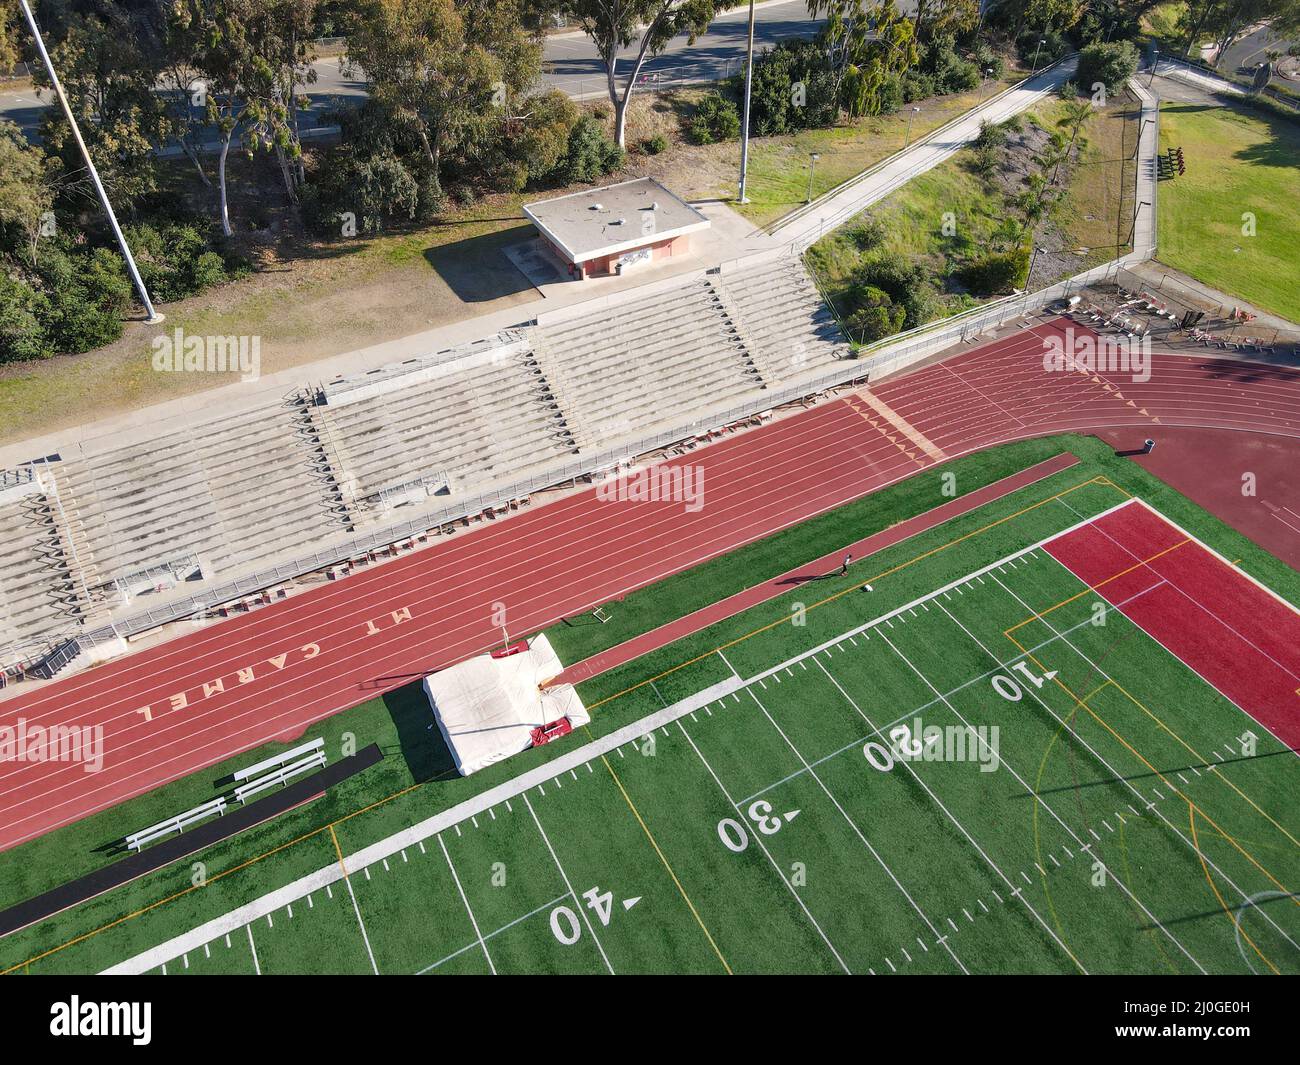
805,227
1144,219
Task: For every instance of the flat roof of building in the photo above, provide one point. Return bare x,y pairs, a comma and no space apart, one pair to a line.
598,222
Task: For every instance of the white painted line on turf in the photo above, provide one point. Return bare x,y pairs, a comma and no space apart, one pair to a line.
572,894
763,846
468,909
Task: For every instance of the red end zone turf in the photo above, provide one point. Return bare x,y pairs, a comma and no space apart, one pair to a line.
1237,635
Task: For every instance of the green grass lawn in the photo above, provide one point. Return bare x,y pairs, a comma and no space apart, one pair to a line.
623,864
1239,162
1094,213
778,166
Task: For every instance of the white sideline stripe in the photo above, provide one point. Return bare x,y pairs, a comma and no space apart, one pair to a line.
1120,778
440,822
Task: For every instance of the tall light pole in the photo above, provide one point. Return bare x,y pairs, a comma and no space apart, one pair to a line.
153,316
1029,277
812,163
1155,62
1041,42
910,115
744,121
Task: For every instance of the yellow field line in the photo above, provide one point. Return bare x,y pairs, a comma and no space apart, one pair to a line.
1196,845
650,836
1039,615
1163,779
853,587
1101,479
1205,761
339,851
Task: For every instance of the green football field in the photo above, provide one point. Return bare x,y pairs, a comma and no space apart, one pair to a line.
1090,804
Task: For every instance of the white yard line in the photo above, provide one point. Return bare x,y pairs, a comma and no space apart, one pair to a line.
468,908
492,935
1016,892
768,854
857,831
257,965
577,902
360,923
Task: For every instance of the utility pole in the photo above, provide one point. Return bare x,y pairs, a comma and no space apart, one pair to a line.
744,122
153,316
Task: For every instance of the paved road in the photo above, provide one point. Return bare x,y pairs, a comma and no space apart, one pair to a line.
1249,51
570,62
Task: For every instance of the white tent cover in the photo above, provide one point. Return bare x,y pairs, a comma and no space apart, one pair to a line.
487,707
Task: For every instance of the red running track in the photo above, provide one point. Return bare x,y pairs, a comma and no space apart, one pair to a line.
267,675
1237,635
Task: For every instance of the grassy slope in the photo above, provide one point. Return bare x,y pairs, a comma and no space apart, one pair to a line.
778,166
398,725
1237,161
1099,190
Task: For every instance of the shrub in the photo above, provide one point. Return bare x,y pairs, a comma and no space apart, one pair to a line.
372,192
654,145
590,155
917,86
869,233
22,312
891,94
990,135
715,119
175,259
997,272
1111,64
904,282
873,316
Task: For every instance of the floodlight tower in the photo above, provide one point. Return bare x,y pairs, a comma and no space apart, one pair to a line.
744,121
153,316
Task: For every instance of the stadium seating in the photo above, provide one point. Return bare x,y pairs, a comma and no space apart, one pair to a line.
113,521
639,362
221,498
477,420
37,576
783,316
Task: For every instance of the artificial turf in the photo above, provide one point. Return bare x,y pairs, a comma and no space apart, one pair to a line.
646,825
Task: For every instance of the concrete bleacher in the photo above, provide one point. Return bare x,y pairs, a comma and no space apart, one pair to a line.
217,499
782,316
38,591
672,352
446,425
